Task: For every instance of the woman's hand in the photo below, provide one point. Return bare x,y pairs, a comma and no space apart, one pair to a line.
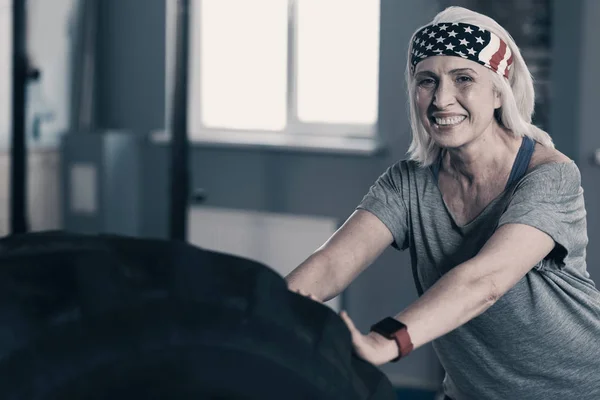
372,347
310,296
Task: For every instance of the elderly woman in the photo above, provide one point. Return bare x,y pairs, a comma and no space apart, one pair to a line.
494,219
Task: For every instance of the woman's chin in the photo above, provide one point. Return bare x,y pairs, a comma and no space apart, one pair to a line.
448,141
447,136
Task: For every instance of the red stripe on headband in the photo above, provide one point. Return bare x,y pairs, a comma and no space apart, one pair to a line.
498,56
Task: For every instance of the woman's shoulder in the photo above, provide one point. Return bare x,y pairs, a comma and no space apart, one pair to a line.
413,166
544,155
412,170
407,171
550,167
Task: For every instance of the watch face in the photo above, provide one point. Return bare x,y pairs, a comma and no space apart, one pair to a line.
388,326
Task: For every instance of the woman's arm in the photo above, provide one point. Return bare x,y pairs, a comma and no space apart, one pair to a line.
464,292
472,287
353,247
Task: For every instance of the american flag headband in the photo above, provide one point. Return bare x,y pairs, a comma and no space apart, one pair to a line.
462,40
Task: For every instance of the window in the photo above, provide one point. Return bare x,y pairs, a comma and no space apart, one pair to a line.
5,68
291,68
239,51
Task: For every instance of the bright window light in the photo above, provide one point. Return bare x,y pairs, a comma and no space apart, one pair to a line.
5,66
337,59
241,55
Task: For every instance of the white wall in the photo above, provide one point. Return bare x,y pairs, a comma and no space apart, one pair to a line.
280,241
43,188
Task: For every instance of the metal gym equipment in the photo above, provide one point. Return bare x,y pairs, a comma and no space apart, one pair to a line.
21,74
179,173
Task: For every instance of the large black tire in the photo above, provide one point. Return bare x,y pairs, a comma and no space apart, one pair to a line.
109,317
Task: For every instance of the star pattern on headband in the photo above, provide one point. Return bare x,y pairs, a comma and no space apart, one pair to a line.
457,39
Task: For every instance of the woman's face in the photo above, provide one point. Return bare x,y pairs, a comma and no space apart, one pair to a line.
455,99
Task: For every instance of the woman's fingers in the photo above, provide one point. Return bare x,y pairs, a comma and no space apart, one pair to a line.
362,346
305,294
353,330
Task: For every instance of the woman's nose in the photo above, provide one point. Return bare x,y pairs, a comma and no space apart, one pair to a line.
444,95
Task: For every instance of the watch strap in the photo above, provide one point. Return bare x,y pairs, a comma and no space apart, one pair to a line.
404,342
393,329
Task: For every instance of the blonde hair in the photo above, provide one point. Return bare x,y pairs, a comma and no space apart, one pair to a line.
517,93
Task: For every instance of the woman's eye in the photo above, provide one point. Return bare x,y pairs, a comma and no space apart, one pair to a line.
426,82
464,79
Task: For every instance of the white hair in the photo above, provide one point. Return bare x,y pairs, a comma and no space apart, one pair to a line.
517,93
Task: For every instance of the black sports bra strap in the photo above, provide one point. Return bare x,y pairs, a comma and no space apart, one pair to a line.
435,167
522,160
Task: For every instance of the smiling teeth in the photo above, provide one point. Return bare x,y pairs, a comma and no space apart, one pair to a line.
450,121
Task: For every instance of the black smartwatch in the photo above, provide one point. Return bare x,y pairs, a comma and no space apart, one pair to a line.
393,329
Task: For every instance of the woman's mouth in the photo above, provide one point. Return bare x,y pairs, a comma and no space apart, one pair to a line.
448,121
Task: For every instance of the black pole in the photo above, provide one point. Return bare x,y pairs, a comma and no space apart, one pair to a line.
179,140
18,181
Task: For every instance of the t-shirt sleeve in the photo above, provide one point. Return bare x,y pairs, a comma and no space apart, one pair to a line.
551,200
385,200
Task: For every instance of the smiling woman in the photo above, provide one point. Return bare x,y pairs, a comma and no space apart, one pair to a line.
495,222
480,60
450,91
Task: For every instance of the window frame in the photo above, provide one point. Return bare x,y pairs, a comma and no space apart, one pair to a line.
297,134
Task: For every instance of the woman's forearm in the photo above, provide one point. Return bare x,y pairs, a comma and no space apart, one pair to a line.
454,300
315,276
351,249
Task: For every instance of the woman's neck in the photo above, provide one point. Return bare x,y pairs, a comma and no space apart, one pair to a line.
489,156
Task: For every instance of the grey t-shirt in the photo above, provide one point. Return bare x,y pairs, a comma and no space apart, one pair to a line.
541,340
